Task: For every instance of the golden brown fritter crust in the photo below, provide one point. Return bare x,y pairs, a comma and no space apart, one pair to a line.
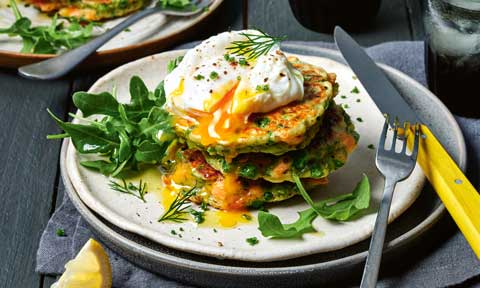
89,10
227,192
287,128
327,152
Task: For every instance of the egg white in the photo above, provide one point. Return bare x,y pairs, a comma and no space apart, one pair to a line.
204,78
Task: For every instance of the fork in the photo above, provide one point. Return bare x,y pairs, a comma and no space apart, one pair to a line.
395,167
59,66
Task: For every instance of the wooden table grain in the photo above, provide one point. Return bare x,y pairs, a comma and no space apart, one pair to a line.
30,187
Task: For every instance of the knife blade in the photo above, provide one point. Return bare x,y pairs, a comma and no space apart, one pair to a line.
384,94
452,186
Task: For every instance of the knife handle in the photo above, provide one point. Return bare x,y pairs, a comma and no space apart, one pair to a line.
456,192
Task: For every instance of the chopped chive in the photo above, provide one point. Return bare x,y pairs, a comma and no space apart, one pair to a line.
371,146
359,119
260,88
60,232
343,97
213,75
199,77
355,90
252,241
242,62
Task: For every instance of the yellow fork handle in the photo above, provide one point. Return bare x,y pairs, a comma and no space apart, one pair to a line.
456,192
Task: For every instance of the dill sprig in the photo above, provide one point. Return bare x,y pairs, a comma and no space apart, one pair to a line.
130,188
255,45
178,209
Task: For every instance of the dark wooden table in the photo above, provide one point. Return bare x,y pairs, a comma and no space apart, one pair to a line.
30,186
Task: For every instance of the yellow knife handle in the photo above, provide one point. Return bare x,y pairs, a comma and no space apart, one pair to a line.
456,192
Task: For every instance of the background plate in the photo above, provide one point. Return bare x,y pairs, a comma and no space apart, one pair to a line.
316,268
146,37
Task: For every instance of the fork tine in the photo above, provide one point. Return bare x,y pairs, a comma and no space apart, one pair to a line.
395,133
416,142
406,127
383,137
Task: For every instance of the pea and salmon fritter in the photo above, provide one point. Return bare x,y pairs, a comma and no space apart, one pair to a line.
227,191
287,128
248,126
255,178
327,152
89,10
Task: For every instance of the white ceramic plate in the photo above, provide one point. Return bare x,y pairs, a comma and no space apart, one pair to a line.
133,215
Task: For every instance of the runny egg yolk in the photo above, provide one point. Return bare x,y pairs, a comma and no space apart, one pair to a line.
219,123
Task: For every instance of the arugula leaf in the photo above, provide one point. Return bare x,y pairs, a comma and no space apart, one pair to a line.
128,136
176,4
139,95
270,225
101,166
90,104
87,139
47,39
172,64
304,193
340,208
344,207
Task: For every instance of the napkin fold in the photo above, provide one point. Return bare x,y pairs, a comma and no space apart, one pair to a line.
442,259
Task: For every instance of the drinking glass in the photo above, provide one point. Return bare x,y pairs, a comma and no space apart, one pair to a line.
452,53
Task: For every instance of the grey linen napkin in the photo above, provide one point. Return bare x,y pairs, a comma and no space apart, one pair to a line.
442,259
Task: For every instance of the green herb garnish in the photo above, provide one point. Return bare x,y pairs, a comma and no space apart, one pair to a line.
248,171
198,216
246,217
213,75
172,64
255,45
60,232
261,88
271,226
128,136
47,39
343,97
371,146
252,241
344,207
177,4
137,191
242,61
340,208
199,77
179,207
229,58
355,90
359,119
262,122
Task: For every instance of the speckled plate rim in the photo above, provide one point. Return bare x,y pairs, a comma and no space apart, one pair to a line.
12,59
125,243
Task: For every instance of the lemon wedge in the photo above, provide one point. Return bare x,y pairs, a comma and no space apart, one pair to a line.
90,269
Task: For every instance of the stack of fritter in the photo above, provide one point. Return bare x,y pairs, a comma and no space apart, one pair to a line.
89,10
309,138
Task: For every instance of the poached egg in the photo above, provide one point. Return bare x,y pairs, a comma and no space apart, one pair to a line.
220,90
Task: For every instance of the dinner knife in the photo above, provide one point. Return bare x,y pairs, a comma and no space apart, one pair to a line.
456,192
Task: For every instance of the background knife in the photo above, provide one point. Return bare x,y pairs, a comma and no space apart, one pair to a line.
456,192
